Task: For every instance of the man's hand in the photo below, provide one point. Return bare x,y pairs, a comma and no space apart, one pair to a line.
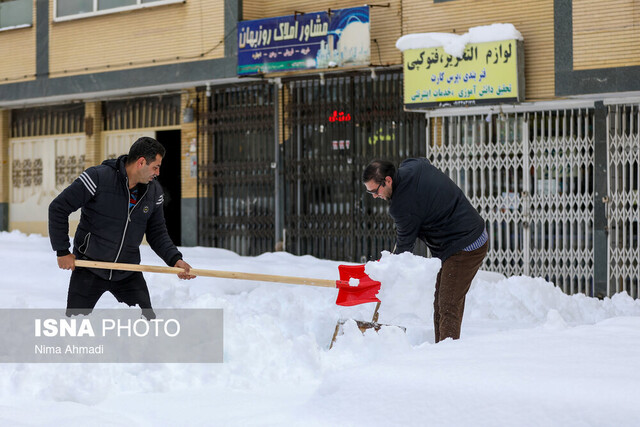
67,262
186,267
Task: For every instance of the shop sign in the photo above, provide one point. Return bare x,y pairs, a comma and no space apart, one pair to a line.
487,73
319,40
339,117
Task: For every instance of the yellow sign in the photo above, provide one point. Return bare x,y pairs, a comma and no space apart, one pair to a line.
487,73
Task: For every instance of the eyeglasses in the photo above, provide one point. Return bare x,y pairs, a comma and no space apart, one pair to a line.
376,190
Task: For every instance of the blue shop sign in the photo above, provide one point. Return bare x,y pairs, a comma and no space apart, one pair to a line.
311,41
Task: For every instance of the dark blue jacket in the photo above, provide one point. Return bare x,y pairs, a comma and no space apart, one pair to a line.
108,230
427,204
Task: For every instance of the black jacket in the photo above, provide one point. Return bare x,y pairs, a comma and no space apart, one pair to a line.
108,231
427,204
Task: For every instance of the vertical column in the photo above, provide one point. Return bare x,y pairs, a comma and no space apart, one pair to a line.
189,178
600,226
5,125
278,169
232,15
526,198
42,39
93,132
285,136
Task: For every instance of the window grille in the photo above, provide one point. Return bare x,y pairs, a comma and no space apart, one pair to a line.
531,177
623,125
54,120
137,113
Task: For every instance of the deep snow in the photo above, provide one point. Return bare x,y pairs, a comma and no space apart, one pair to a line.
528,354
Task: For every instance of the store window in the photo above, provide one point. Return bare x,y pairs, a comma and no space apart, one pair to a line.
73,9
16,14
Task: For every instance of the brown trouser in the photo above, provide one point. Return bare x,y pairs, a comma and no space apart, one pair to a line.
452,285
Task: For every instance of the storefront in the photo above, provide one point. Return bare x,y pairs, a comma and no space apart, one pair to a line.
290,154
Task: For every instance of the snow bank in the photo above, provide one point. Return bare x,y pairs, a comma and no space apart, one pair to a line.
277,359
455,44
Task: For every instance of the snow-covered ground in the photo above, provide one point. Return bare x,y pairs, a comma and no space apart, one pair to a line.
529,355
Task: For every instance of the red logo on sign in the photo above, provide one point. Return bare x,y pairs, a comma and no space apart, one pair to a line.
339,117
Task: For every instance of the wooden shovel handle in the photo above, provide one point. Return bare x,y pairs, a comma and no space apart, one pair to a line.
207,273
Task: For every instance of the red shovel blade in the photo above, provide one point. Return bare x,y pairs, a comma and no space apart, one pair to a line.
366,290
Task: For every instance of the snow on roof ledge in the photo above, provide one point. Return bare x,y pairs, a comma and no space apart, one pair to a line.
454,44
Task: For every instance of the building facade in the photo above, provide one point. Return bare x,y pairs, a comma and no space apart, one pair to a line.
273,160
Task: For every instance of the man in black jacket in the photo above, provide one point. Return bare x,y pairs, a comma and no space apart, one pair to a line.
426,204
121,202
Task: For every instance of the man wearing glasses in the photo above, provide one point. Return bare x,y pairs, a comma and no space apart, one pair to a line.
426,204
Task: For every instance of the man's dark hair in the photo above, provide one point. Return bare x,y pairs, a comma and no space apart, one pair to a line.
378,170
145,147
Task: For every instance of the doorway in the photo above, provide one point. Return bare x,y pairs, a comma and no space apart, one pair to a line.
171,180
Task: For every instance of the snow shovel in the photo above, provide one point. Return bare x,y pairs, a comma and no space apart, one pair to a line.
354,286
362,325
